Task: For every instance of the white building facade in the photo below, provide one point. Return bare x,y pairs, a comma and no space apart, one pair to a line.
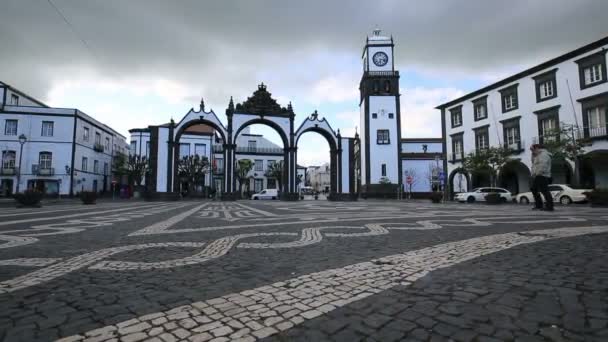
569,91
58,151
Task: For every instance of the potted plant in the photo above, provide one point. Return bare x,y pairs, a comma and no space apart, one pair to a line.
88,197
493,198
597,197
436,196
28,198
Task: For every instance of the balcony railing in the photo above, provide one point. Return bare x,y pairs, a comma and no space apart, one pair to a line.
381,73
8,171
98,148
42,171
591,132
253,150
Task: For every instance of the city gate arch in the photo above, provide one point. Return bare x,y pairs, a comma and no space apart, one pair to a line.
322,127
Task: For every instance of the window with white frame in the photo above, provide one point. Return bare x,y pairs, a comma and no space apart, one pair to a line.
97,138
509,98
8,159
512,137
133,147
85,162
10,127
200,149
548,128
510,101
107,145
383,137
252,145
457,148
546,89
95,166
596,119
14,100
593,74
480,111
456,116
47,129
258,165
481,139
45,160
184,150
85,134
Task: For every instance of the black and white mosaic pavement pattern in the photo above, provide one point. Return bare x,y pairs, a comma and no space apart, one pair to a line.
311,271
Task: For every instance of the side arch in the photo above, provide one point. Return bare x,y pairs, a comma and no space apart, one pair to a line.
455,180
322,127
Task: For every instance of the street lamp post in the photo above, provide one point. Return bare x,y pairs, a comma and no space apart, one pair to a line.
22,140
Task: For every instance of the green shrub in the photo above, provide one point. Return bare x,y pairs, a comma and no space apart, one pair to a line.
88,197
29,198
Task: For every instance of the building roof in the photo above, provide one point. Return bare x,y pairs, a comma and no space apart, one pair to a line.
572,54
24,94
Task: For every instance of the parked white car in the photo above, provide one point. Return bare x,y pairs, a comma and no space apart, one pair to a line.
271,194
561,193
479,195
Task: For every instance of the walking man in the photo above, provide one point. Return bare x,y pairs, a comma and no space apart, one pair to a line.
541,177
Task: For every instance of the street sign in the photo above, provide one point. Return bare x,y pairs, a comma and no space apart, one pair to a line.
409,180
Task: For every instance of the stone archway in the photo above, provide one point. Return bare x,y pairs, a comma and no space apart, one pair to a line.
515,177
322,127
593,169
459,181
191,119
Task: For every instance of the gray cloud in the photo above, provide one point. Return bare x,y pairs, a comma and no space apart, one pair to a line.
223,48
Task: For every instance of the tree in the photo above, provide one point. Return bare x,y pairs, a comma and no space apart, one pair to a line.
136,168
490,160
562,143
275,170
413,174
193,169
243,166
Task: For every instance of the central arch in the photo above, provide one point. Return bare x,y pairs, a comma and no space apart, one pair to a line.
262,121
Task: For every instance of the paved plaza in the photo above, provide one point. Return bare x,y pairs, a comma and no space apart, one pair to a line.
303,271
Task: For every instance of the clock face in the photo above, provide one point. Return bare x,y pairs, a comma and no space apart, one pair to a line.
380,58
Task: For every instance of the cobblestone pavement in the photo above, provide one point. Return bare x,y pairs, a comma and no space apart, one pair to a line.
310,271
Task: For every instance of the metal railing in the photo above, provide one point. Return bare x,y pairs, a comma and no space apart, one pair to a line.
582,133
247,149
9,171
98,147
43,171
381,73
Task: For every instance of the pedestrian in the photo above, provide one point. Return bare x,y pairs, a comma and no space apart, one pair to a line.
541,177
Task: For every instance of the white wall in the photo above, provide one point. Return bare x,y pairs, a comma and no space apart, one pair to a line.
161,167
345,167
420,170
363,147
383,154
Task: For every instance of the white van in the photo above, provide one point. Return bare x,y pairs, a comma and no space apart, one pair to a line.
271,194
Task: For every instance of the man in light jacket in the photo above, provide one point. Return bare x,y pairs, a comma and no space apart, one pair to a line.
541,177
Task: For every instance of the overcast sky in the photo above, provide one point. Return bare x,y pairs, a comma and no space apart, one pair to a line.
134,63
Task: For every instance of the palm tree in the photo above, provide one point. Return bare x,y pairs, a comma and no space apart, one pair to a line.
275,170
243,166
193,168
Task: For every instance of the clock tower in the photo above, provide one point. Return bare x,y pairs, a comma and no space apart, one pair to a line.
380,116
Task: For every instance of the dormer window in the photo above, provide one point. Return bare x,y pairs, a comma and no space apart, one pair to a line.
546,86
14,100
480,108
592,69
456,116
509,98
